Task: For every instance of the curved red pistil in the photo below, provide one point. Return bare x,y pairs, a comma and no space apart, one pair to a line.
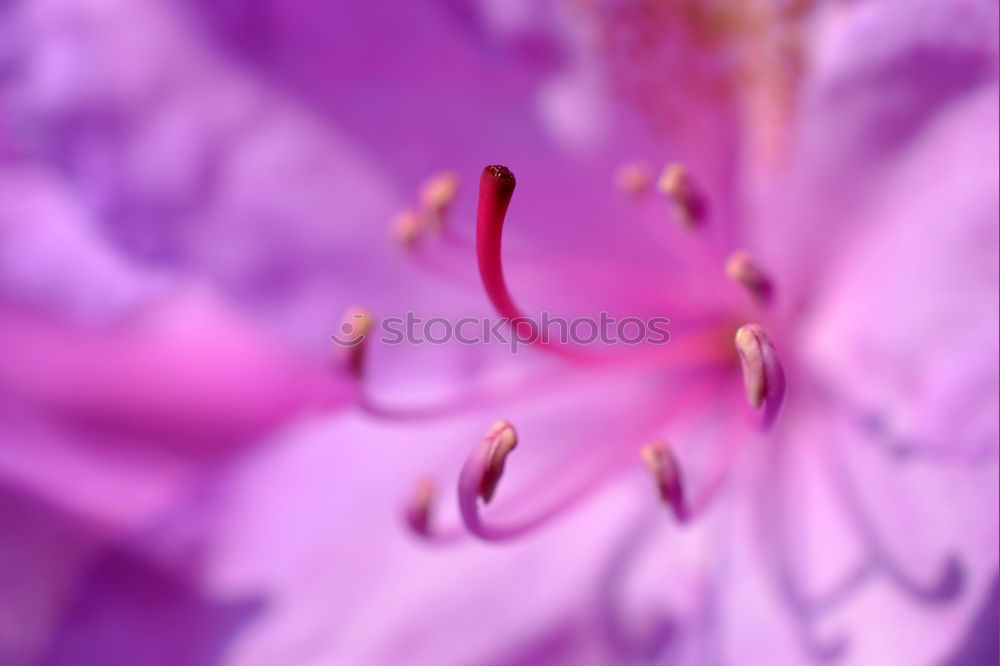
496,187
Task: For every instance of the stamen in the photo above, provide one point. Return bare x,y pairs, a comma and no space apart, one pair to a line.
350,338
487,458
502,439
763,376
688,503
407,228
741,269
634,178
666,474
418,516
481,474
418,508
436,197
689,204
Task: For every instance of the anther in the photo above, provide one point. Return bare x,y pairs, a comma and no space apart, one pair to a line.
634,178
502,439
689,205
436,197
418,508
350,338
477,483
666,474
406,228
741,269
763,376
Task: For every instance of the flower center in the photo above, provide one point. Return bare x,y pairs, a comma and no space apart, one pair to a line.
709,352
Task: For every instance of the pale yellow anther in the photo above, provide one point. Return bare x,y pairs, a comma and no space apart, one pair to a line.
657,459
354,328
407,227
437,195
359,320
749,343
440,189
662,466
675,184
506,440
423,493
741,269
634,178
420,504
673,180
503,439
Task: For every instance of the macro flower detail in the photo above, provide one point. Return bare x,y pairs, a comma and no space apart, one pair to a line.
764,385
289,379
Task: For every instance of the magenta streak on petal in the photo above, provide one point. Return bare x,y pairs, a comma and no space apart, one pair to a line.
186,372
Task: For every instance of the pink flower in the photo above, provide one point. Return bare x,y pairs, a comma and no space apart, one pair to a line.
806,472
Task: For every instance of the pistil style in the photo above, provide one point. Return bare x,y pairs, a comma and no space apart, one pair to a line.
496,187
